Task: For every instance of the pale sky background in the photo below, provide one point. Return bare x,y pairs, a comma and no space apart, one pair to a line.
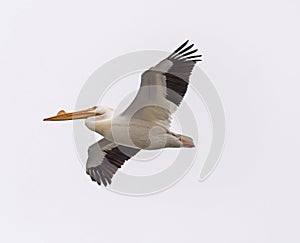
251,53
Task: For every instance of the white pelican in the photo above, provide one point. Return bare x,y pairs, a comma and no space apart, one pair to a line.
146,121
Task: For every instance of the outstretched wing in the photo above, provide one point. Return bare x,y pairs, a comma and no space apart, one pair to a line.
164,86
105,158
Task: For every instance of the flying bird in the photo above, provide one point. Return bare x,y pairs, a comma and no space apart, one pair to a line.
145,123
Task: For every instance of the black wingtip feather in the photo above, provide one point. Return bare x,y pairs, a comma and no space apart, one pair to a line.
188,53
190,57
179,48
184,53
185,49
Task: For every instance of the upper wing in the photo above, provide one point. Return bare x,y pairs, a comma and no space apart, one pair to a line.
164,86
104,159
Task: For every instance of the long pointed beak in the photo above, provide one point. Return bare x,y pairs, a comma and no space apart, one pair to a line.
62,115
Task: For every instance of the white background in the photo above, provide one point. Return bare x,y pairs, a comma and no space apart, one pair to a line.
251,53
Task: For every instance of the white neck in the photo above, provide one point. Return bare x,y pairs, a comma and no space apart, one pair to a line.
100,123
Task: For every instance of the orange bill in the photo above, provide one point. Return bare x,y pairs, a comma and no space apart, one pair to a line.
62,115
